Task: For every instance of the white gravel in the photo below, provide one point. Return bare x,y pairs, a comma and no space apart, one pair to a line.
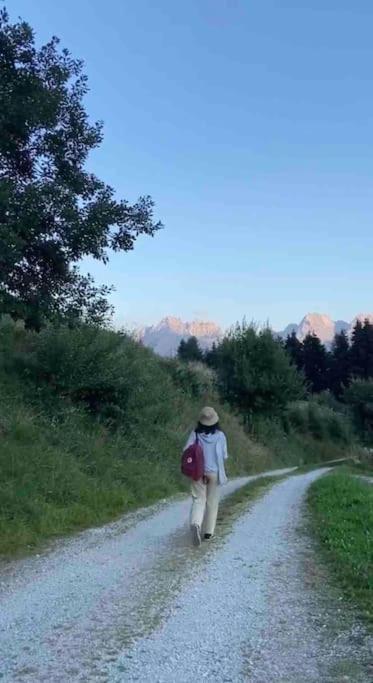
67,613
256,611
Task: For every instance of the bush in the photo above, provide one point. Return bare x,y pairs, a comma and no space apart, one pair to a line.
111,375
319,421
359,397
194,379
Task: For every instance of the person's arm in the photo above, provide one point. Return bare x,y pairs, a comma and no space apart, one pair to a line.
225,446
191,440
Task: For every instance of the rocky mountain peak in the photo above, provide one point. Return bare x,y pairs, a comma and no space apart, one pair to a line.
165,337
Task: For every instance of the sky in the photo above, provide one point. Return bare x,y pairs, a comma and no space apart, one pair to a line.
250,123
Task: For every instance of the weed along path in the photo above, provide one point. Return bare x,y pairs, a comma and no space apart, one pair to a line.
133,601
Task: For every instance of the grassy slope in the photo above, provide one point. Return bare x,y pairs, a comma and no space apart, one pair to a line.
62,469
63,472
342,517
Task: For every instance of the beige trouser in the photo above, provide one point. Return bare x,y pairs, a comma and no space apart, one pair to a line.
205,503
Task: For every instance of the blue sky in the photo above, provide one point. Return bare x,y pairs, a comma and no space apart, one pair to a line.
250,122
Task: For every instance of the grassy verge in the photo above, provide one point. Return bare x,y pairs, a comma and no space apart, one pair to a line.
342,518
341,464
62,471
231,507
359,468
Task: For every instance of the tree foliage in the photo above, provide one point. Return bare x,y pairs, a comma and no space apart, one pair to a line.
189,350
361,354
315,363
340,369
255,373
53,212
335,369
295,349
359,396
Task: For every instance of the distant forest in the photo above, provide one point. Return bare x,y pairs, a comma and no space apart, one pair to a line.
334,369
323,368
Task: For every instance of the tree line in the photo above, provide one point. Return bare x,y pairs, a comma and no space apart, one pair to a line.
324,369
261,374
333,369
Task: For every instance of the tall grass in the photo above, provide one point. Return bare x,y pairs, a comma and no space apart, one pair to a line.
92,425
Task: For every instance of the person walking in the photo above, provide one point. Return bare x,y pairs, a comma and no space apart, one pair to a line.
205,491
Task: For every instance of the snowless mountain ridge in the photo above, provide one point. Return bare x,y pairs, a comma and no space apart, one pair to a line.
165,337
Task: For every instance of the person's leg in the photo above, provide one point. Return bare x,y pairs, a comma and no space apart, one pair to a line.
212,504
198,506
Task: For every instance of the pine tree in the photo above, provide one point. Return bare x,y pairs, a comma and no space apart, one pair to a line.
361,355
316,363
295,349
211,356
340,373
190,350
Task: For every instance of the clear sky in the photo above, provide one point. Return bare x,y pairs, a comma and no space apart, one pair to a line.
250,122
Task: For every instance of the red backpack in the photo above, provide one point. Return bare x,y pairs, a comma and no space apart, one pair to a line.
192,461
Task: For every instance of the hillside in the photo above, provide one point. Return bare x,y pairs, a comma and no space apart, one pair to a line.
92,424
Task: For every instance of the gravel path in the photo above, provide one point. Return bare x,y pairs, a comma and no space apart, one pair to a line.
257,611
146,606
67,613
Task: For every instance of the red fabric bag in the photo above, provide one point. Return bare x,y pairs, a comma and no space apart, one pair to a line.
192,461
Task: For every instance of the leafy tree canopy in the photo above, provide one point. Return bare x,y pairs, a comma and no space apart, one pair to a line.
53,212
255,372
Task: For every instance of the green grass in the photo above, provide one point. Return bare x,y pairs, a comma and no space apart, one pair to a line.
92,425
341,464
342,518
293,447
360,468
62,470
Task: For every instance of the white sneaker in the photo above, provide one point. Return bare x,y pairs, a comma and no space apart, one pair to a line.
196,533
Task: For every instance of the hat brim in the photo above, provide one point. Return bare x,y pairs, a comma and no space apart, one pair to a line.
209,422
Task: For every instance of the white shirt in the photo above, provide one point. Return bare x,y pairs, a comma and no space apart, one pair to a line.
214,451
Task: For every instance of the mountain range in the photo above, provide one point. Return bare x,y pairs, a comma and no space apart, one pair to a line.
165,337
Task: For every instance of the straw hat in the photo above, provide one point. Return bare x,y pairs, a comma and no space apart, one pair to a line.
208,417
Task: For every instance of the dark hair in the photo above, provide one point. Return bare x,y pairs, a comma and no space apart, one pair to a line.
204,429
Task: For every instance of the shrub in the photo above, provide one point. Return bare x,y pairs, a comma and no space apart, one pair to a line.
319,421
359,396
111,375
194,379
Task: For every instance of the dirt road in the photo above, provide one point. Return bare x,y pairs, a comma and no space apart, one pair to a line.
133,601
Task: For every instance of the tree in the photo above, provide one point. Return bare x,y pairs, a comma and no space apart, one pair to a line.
316,363
255,373
340,371
190,350
359,396
295,349
361,355
211,356
53,212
